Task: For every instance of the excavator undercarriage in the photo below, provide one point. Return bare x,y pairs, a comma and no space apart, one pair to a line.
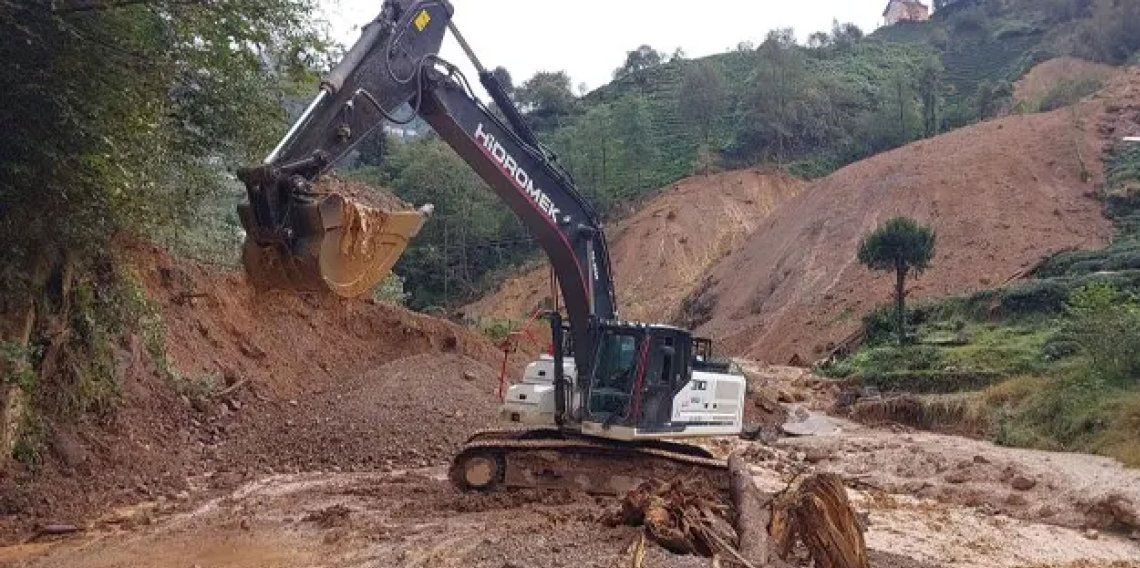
553,459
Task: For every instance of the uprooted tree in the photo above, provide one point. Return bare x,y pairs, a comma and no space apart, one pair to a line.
752,529
904,246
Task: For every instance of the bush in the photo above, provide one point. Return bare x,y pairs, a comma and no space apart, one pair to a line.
1106,325
931,381
1034,296
391,291
1069,92
892,358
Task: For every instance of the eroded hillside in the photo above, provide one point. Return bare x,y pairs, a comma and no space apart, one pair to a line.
1002,196
661,253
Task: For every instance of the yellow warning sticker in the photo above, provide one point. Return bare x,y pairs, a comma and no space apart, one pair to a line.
422,20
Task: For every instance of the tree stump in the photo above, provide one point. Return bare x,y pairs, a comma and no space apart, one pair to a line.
813,510
759,529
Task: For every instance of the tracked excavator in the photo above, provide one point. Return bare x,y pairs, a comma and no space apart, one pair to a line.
612,403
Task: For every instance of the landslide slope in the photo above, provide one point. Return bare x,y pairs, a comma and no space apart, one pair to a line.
661,252
257,383
1002,195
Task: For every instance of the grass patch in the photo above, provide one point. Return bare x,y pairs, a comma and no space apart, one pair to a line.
1004,350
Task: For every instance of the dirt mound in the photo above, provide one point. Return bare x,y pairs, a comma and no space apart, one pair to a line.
660,253
260,383
362,193
1048,75
1002,195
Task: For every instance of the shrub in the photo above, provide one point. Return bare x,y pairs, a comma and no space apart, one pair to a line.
892,358
1034,296
1106,325
1013,390
391,291
1068,92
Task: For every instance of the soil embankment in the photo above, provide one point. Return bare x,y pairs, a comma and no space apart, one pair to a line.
661,252
256,384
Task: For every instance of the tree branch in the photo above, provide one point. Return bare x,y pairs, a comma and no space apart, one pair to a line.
94,6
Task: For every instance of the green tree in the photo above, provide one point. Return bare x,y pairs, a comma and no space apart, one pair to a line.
644,57
121,119
546,98
901,245
634,134
704,98
845,35
929,88
504,78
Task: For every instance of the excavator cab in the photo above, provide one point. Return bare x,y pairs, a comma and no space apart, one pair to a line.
638,372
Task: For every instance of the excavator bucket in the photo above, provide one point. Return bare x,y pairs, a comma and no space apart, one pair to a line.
340,245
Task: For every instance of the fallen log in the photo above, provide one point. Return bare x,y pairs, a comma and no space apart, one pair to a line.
752,514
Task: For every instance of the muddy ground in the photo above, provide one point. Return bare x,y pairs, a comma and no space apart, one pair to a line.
928,500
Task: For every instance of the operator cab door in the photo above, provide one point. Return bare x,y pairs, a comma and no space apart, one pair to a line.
638,372
666,373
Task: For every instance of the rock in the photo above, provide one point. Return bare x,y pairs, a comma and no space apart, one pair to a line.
469,376
1016,500
234,404
244,524
68,449
1023,483
956,477
292,402
981,459
784,396
1092,534
816,455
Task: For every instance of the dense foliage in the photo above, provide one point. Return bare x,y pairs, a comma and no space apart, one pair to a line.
121,119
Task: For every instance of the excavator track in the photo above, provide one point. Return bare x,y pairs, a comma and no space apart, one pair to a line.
549,459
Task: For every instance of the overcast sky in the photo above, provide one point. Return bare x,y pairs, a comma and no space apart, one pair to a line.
589,38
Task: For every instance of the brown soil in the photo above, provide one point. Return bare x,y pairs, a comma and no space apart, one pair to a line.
1045,76
661,252
362,193
277,382
1002,195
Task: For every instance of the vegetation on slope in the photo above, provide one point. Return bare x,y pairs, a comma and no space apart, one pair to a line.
1056,357
121,119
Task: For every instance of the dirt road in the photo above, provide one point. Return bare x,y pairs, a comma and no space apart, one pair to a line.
929,501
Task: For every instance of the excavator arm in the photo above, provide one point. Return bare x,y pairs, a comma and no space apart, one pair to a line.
394,67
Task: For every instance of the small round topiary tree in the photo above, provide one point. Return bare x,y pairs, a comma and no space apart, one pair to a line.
902,245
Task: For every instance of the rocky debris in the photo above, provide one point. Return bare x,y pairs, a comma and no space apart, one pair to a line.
329,517
1023,483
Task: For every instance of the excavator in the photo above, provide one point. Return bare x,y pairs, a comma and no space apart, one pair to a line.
612,403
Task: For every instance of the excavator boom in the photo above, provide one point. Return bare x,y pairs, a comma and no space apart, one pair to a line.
614,390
